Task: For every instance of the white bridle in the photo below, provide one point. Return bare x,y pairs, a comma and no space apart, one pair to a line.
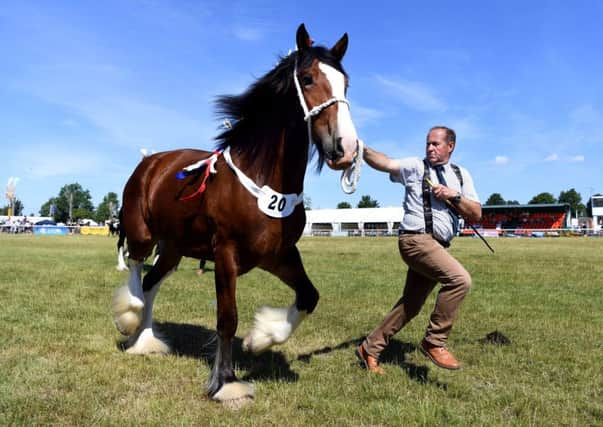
308,114
350,176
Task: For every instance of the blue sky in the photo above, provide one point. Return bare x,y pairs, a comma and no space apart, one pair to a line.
85,84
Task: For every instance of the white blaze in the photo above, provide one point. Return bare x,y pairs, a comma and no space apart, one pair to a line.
345,126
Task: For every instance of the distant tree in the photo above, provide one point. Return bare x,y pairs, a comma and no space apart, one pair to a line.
108,208
70,195
17,208
574,199
542,198
343,205
45,209
513,202
367,202
307,203
495,199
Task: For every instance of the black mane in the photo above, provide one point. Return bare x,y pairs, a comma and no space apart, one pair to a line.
264,110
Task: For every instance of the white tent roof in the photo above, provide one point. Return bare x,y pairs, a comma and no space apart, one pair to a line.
354,215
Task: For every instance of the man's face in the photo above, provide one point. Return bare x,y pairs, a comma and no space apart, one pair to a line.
438,150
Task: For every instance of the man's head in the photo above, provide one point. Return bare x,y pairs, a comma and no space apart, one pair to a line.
440,145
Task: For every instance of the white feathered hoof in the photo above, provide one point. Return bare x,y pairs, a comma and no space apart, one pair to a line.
272,326
147,343
127,311
235,395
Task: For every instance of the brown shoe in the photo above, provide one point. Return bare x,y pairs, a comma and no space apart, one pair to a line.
439,355
370,363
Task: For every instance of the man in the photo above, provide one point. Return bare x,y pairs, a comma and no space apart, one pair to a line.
436,193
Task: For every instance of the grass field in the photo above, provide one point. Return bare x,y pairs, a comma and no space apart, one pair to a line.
60,362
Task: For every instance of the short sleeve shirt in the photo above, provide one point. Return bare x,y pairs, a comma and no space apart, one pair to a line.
411,176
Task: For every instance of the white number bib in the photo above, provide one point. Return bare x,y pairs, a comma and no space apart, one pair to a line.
275,204
271,202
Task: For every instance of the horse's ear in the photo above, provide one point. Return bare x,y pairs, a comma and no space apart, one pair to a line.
338,50
303,38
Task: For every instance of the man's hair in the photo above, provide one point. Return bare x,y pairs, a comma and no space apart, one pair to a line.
450,134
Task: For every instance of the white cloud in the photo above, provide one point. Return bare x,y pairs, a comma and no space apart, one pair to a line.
577,158
52,159
364,115
586,114
466,128
415,95
501,160
551,157
248,34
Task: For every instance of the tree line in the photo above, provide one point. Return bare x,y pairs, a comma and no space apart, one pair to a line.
74,203
571,197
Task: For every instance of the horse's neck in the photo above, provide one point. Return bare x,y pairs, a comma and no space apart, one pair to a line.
281,163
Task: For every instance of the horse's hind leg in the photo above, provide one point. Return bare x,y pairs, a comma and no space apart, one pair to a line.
146,340
223,385
275,325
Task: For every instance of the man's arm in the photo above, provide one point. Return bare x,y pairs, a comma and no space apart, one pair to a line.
469,209
380,161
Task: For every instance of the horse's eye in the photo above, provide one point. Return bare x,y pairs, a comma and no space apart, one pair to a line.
307,80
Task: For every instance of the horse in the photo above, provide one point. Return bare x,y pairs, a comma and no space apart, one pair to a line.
113,227
240,206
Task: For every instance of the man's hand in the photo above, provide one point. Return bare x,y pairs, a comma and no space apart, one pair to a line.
441,192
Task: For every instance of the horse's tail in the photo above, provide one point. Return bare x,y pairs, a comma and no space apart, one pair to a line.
121,263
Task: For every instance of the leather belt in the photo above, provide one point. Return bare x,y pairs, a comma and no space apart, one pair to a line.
401,232
444,244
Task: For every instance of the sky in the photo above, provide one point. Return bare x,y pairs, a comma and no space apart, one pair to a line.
84,85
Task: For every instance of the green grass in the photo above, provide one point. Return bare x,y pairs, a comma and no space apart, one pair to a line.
60,363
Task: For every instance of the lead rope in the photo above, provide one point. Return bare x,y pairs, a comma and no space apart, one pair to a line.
351,176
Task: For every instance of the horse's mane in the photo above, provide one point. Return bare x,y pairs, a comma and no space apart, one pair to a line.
258,115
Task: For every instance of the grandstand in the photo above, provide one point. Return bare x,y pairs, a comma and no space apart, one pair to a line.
496,220
353,222
523,219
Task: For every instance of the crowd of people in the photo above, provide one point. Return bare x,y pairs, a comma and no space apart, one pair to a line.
16,225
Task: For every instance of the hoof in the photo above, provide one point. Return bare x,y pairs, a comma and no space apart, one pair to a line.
272,326
235,395
127,323
200,272
257,342
122,268
148,343
127,311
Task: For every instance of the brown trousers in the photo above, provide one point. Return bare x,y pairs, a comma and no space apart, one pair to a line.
428,263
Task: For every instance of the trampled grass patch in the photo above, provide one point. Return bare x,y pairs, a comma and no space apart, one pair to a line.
60,362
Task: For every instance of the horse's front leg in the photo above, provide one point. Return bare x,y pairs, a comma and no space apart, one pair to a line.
128,301
275,325
223,385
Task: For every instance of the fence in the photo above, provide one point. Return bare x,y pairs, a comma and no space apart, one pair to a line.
486,232
54,230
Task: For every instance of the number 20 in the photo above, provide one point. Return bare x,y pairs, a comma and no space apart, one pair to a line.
273,203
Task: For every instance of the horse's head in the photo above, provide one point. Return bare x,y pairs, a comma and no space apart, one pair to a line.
321,84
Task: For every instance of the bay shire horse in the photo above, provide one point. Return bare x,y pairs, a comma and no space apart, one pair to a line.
241,207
